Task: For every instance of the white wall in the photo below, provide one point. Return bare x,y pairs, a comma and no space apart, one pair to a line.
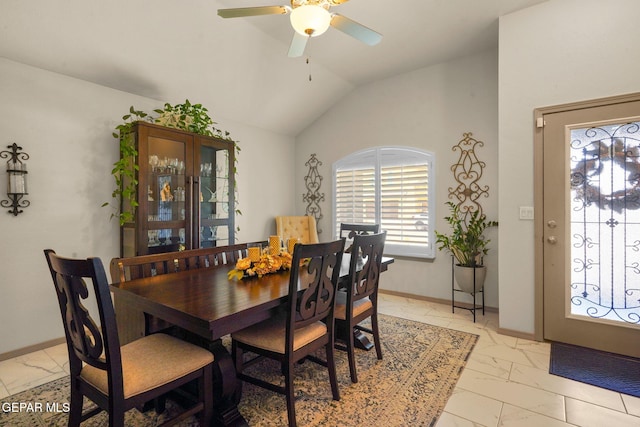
65,125
265,179
430,109
557,52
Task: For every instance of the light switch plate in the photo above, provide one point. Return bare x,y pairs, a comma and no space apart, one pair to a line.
526,212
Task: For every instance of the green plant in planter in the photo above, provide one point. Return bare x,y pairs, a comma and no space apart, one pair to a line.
466,242
189,117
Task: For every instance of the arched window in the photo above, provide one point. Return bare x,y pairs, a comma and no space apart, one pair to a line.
392,186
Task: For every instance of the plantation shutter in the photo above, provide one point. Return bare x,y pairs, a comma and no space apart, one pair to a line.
389,186
355,196
403,202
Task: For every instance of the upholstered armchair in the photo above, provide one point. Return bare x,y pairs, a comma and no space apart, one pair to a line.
300,227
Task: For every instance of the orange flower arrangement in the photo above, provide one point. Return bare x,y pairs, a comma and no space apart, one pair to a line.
265,265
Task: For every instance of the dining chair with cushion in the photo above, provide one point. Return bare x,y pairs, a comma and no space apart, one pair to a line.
305,326
350,230
117,378
297,227
359,300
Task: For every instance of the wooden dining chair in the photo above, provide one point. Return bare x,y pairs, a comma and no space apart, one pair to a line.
359,300
116,378
130,268
350,230
304,327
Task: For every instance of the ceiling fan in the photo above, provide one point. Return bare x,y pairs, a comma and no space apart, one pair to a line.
309,18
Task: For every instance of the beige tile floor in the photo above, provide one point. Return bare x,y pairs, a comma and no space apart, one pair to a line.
505,383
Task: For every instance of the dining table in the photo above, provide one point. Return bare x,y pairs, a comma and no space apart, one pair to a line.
204,305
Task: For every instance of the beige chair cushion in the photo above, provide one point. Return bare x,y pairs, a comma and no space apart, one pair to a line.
151,362
300,227
359,306
270,334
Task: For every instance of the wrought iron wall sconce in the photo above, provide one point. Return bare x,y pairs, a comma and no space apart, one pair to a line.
16,179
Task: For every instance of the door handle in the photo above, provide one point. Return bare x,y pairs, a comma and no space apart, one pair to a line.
552,240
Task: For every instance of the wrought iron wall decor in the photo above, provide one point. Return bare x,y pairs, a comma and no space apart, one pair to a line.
16,179
313,197
467,171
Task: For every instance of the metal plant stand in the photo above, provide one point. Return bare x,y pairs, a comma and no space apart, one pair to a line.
475,305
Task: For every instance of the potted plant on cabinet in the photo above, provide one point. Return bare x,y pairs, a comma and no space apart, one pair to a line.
468,245
186,116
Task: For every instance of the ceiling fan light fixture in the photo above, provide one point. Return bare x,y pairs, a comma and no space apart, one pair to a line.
310,20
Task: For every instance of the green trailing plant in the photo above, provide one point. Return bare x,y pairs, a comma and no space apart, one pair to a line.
125,169
466,242
190,117
186,116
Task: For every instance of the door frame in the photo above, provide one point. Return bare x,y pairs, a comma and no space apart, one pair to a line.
538,196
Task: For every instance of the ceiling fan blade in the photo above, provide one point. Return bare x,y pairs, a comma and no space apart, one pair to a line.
298,44
253,11
356,30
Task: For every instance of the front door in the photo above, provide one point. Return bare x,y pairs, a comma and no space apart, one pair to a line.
591,226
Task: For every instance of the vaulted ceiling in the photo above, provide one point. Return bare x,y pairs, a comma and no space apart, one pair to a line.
171,50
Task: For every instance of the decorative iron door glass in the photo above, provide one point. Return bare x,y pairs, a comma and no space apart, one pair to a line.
605,224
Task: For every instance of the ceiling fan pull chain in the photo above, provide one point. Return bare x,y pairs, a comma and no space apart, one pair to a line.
309,66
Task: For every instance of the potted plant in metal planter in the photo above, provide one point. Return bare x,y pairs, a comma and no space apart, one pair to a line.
467,244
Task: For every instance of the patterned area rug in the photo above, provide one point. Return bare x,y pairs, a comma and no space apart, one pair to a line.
410,386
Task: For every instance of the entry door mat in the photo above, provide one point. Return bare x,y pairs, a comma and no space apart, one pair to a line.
606,370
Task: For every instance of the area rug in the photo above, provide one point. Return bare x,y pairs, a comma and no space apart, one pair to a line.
607,370
410,386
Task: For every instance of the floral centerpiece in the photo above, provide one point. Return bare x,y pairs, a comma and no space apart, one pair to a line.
266,264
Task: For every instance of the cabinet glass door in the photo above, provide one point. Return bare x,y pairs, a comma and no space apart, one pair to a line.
166,195
214,197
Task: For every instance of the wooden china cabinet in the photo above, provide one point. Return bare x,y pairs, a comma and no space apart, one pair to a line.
185,192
